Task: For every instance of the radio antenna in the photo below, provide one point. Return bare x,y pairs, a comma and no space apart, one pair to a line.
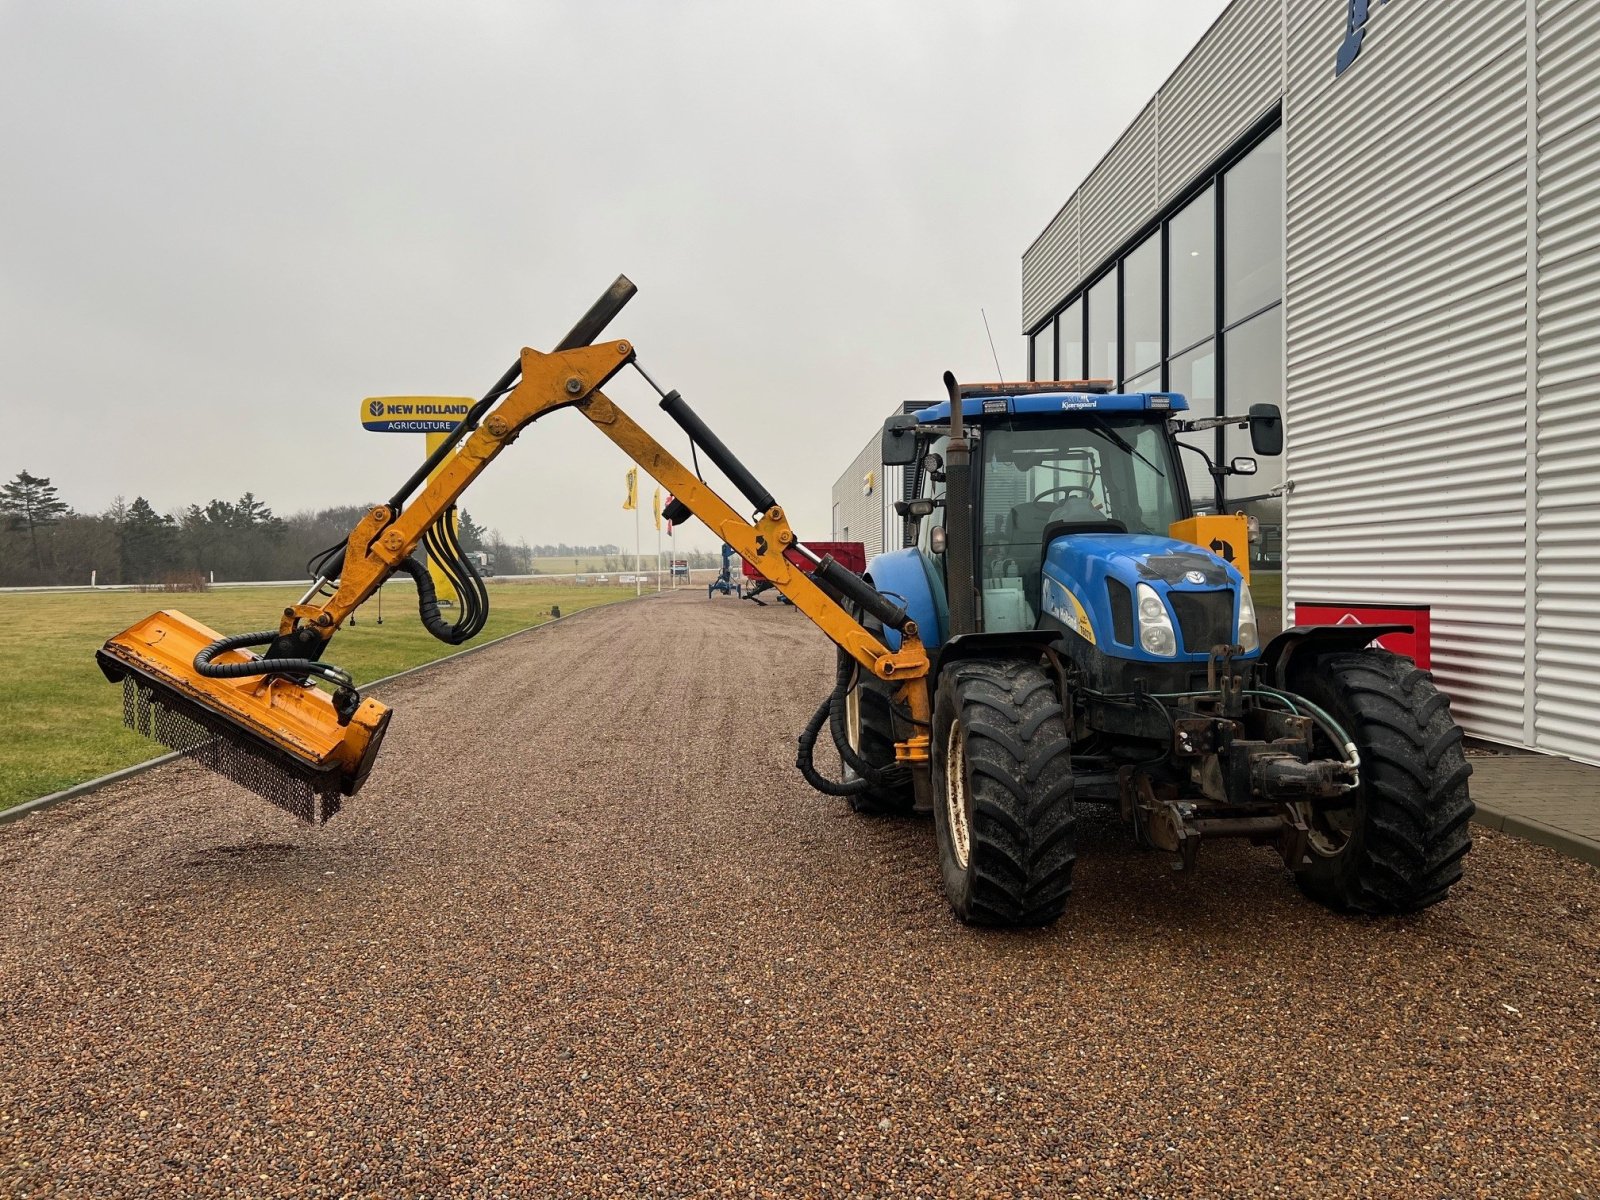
999,374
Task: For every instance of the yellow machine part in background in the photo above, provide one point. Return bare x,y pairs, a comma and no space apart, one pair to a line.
1226,536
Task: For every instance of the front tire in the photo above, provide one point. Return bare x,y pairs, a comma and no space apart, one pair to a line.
1003,804
1398,846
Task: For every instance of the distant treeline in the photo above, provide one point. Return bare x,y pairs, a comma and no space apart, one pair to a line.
43,540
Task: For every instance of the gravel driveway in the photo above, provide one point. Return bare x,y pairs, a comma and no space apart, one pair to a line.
586,932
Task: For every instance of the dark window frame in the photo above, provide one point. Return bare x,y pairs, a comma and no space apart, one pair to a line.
1214,174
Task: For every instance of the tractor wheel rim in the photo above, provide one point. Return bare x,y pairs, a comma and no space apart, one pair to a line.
956,805
852,718
1332,828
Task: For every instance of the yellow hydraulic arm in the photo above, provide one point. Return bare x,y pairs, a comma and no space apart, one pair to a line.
572,379
329,744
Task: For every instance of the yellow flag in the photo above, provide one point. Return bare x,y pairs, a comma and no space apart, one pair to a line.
632,501
658,510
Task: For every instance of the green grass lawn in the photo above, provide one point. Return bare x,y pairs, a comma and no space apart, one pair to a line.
584,563
61,722
1266,589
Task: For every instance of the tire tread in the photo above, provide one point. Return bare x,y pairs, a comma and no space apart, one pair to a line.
1020,756
1409,851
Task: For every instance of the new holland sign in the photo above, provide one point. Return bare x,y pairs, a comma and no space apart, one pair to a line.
414,414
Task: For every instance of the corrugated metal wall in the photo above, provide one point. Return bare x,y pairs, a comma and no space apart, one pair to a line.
870,518
1232,77
1227,82
1120,195
857,516
1567,650
1442,283
1051,264
1406,301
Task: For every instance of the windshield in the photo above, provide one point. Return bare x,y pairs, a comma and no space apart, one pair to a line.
1109,471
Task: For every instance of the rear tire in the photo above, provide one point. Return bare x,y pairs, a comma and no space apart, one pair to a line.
869,723
1002,783
1399,846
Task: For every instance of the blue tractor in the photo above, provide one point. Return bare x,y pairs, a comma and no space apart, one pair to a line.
1080,654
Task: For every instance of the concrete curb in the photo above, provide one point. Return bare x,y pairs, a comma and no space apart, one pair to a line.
27,807
1559,840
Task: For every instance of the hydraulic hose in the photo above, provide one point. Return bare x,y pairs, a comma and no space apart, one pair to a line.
428,605
876,776
445,549
804,761
262,666
831,712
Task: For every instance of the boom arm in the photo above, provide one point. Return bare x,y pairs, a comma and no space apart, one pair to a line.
257,720
572,378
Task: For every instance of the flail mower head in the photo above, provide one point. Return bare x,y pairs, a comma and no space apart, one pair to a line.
277,734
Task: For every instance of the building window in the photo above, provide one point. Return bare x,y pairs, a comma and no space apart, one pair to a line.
1150,381
1194,375
1252,231
1192,272
1204,288
1253,353
1103,328
1044,357
1141,308
1069,341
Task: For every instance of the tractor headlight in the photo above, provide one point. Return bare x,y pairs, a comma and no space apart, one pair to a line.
1249,638
1155,626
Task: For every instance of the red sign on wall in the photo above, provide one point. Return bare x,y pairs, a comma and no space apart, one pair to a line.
1415,642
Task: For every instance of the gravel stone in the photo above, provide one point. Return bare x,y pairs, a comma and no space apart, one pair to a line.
587,933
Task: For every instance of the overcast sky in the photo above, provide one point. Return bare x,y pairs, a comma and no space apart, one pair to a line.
222,224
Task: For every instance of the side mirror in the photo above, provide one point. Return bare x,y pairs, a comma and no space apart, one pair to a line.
1266,429
1242,466
900,440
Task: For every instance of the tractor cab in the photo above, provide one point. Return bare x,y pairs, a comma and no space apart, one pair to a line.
1040,478
1079,522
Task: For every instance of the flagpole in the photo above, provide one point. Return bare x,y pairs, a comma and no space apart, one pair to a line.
638,558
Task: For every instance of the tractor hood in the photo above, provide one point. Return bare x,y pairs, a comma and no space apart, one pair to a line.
1090,585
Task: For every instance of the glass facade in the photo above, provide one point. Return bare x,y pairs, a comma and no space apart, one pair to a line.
1103,328
1252,231
1193,374
1192,272
1069,341
1141,308
1043,354
1200,302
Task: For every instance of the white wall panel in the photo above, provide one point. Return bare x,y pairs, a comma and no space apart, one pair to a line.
1567,651
1050,265
858,517
1406,308
1229,80
1120,194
